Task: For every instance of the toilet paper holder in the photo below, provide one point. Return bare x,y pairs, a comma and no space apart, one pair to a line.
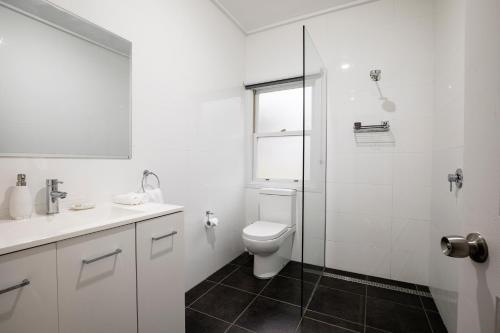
473,246
210,220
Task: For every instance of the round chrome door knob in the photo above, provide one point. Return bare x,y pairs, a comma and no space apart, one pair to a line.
473,246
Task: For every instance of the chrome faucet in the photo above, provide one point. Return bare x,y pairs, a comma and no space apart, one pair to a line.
53,196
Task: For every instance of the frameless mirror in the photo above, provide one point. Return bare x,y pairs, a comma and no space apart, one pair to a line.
64,84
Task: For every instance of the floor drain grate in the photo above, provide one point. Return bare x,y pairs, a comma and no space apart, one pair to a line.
371,283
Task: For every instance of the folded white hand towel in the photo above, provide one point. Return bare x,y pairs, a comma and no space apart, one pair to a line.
131,198
155,195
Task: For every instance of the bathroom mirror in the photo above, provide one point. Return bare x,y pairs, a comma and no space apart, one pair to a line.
64,85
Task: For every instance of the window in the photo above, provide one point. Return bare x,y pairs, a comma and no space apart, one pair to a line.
278,133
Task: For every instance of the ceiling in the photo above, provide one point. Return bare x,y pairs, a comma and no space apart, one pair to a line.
257,15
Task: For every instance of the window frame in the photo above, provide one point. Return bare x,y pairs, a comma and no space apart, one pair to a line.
295,183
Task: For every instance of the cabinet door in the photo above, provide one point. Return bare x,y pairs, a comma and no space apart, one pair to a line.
96,277
160,274
28,291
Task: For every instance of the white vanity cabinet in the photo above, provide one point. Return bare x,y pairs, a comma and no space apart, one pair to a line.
160,274
96,282
123,274
28,291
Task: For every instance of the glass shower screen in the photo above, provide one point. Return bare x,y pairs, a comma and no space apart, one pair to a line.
312,197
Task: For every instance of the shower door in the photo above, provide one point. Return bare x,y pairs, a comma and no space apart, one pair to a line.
312,197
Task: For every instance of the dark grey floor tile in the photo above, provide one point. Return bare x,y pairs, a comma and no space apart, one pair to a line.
287,290
436,322
312,267
293,269
244,279
392,282
236,329
266,316
423,288
197,291
199,323
374,330
223,302
352,287
346,273
395,317
244,259
394,296
429,304
352,327
312,326
222,273
341,304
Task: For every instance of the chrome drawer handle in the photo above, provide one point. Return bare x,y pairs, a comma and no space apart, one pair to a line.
89,261
24,283
164,236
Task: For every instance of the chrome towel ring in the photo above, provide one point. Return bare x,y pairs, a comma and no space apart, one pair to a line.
145,175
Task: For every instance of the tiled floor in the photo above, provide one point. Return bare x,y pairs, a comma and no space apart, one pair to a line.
233,300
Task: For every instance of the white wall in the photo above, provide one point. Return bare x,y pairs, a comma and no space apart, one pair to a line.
447,153
188,122
378,196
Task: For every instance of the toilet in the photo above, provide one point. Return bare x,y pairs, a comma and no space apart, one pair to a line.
271,238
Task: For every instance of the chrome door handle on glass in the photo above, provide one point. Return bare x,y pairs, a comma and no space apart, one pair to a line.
23,283
53,195
89,261
457,178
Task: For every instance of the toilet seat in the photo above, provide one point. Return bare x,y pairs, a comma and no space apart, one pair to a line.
264,231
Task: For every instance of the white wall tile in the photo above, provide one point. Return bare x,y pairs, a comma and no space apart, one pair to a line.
412,185
357,257
361,198
373,230
410,250
364,168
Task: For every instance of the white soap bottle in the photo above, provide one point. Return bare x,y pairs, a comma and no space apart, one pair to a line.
20,203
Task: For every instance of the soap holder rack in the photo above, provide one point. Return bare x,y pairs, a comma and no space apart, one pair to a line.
360,128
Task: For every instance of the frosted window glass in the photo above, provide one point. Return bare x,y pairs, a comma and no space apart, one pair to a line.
282,109
281,157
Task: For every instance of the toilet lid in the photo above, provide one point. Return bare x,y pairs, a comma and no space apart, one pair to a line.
262,230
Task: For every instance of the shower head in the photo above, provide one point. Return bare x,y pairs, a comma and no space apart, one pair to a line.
375,74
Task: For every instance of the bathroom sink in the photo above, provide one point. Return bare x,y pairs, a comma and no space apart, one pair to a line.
106,212
43,229
67,222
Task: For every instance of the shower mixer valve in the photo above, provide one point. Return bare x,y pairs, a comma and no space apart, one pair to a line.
375,75
457,178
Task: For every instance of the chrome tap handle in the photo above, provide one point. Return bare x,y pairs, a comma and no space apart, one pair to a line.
53,183
53,195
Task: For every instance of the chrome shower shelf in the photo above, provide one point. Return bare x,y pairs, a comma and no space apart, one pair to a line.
360,128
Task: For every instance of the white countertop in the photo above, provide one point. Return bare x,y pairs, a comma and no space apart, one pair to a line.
44,229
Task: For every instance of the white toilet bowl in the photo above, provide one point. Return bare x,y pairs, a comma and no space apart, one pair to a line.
271,244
